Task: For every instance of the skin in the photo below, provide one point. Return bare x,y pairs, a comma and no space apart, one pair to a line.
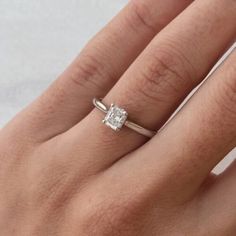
62,172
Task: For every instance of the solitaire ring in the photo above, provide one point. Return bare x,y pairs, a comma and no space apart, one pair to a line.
117,117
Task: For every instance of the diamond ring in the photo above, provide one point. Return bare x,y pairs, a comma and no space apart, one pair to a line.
117,117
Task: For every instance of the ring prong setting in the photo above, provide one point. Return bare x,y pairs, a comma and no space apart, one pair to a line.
115,117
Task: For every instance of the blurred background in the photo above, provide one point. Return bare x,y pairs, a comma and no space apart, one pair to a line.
38,39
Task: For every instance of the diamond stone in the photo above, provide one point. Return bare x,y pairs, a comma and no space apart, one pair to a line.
115,117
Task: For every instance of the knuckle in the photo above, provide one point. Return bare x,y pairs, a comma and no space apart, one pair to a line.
166,71
228,94
107,217
87,70
142,15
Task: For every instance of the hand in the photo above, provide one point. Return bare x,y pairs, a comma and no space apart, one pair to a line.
63,172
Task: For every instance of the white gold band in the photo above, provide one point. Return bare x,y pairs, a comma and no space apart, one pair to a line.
116,118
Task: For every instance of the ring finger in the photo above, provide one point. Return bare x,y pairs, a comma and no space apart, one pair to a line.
152,88
96,69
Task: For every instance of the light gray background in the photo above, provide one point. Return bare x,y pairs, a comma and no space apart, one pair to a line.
38,39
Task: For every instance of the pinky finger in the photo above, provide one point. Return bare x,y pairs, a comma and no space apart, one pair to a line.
219,203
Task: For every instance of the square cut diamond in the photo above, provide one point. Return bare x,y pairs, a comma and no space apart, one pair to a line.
115,117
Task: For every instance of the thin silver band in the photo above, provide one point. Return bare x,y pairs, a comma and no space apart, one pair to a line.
139,129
